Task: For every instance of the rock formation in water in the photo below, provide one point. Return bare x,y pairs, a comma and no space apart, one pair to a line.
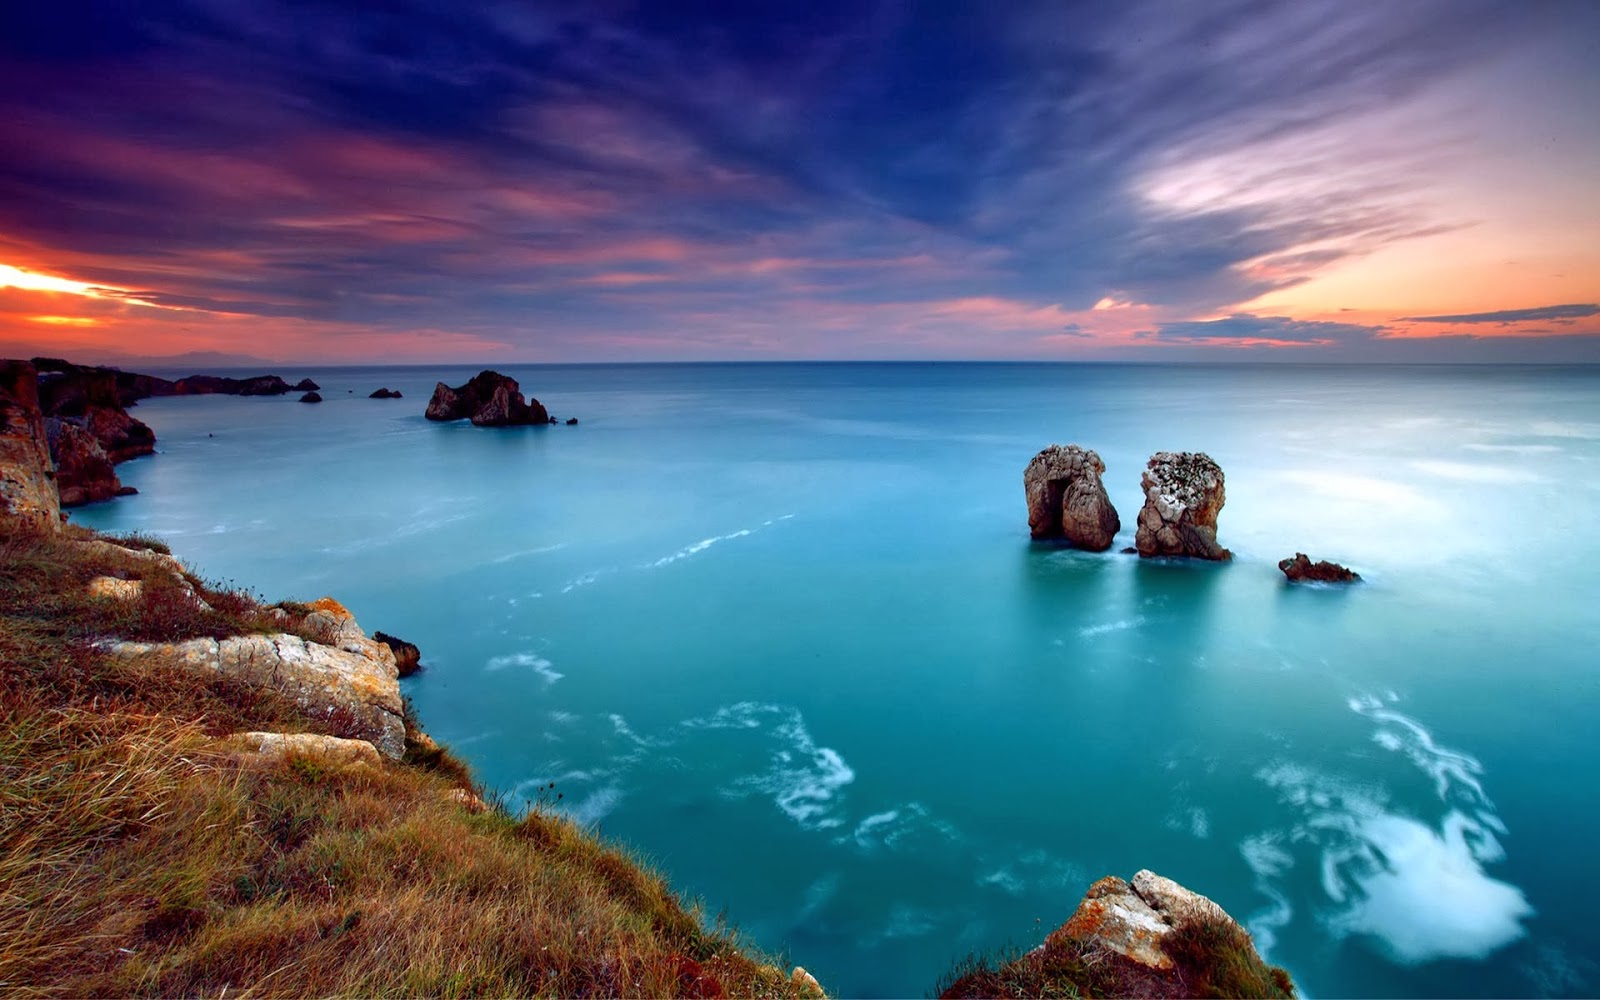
385,393
1183,493
489,399
311,397
349,676
306,385
27,477
1302,568
1067,500
572,421
207,385
407,657
84,472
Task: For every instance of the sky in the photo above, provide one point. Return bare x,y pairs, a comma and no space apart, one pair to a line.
1139,180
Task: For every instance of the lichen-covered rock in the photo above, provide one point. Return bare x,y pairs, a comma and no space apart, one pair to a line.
1183,494
407,657
333,749
351,676
27,477
1301,568
115,589
488,399
1067,500
84,472
1134,920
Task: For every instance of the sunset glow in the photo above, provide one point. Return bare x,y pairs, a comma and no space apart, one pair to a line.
946,190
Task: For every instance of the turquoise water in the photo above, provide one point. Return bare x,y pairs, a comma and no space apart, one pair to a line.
781,628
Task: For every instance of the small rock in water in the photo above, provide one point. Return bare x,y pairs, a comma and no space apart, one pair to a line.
311,397
1302,568
572,421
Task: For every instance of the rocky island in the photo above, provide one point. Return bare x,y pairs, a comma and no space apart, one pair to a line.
488,399
1183,494
1067,500
1302,569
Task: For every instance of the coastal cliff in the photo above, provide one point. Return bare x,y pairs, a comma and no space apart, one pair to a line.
202,793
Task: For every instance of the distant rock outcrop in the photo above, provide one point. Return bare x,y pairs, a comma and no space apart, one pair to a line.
407,657
207,385
311,397
1302,568
27,486
385,393
489,399
84,472
1183,493
306,385
1067,500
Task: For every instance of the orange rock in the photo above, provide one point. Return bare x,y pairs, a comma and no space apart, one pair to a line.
331,606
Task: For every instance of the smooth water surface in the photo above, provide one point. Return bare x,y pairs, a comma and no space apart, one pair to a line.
781,629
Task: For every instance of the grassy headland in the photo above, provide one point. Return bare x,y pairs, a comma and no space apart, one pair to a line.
141,854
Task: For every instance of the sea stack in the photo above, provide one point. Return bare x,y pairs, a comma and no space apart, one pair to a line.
489,399
1183,494
1067,499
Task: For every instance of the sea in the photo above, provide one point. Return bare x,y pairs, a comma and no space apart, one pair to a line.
780,629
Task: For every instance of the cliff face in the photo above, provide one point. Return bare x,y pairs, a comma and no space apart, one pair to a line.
27,477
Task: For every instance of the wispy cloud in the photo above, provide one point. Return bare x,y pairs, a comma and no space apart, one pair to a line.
1514,315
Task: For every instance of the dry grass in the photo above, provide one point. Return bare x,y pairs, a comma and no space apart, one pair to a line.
138,858
1210,960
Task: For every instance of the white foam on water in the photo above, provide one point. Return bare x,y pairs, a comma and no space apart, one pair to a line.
1268,860
585,580
1420,890
803,779
524,553
698,547
706,543
1465,472
1004,880
596,806
538,664
1090,631
1515,449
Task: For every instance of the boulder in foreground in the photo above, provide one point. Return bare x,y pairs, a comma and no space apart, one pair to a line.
1183,494
489,399
1067,500
1301,568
